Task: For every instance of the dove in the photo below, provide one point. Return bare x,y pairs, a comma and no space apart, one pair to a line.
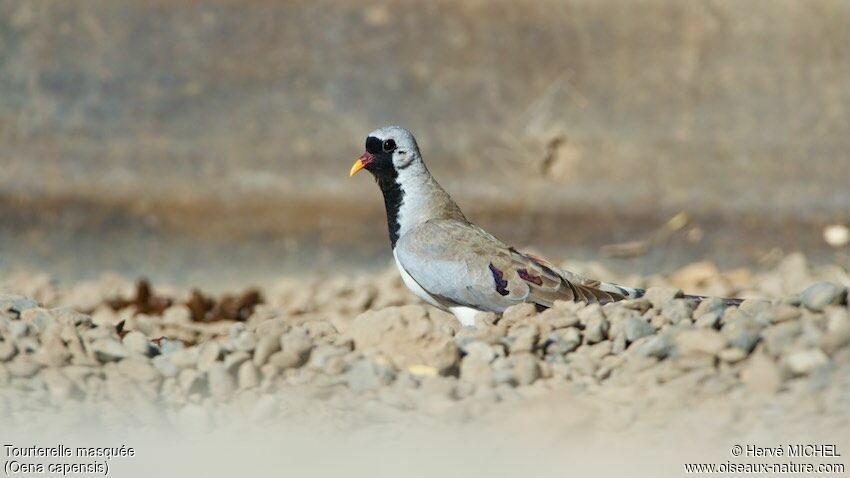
448,261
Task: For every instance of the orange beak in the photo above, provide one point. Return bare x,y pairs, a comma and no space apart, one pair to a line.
361,163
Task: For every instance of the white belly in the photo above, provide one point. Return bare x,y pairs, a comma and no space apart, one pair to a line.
414,286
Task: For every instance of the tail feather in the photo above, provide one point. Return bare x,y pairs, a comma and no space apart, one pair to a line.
634,293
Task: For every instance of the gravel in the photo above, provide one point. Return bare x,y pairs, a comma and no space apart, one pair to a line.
330,344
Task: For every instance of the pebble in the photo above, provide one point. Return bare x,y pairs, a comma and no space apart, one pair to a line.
165,367
16,303
476,371
247,376
658,346
191,381
109,350
137,343
365,375
525,368
221,382
658,296
803,362
138,369
822,294
700,342
208,355
21,367
266,346
635,328
596,329
563,341
761,374
7,350
478,350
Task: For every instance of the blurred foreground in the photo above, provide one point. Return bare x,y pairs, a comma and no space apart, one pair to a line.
336,362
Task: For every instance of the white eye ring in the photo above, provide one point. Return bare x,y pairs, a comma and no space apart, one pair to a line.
388,146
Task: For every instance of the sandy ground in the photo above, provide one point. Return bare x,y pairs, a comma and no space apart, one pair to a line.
353,375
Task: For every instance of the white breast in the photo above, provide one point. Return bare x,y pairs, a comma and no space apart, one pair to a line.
414,287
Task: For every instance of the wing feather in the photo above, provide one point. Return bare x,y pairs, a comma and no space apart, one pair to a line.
461,264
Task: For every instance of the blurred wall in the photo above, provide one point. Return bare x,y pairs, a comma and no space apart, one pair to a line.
245,115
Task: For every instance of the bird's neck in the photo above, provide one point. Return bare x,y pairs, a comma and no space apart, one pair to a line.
411,197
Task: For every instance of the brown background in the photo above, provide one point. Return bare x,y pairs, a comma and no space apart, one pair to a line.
207,141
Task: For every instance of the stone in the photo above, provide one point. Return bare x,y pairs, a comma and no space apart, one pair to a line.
108,350
676,311
635,328
221,382
476,371
658,296
138,369
329,359
709,320
169,346
596,329
761,374
700,342
658,346
562,341
479,351
522,338
165,367
247,376
137,343
22,368
266,346
741,331
518,313
16,304
208,355
822,294
732,355
525,368
192,381
803,362
406,335
7,350
39,317
365,374
234,360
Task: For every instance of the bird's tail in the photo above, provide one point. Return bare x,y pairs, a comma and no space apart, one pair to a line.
634,293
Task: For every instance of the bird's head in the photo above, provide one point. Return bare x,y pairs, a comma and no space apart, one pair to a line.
388,150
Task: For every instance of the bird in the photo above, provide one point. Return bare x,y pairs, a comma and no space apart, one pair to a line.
453,264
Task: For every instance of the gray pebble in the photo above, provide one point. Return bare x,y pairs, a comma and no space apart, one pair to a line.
108,350
165,367
191,381
221,382
596,329
822,294
169,346
562,341
635,328
367,375
658,346
16,303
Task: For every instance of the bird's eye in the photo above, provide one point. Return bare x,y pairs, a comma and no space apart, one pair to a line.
389,146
